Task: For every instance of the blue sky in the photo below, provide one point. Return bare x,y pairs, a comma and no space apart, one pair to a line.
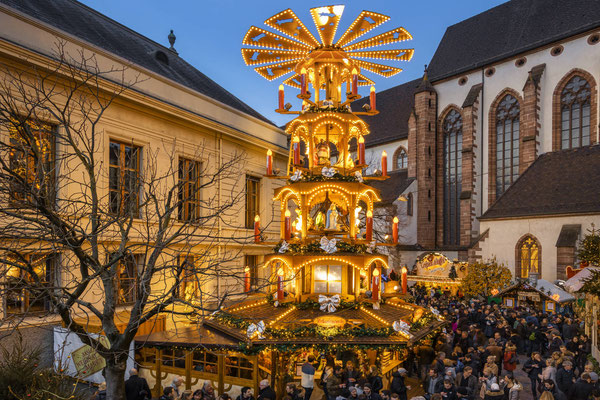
209,34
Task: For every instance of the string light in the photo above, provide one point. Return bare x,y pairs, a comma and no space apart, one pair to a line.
295,29
397,55
361,26
393,36
271,40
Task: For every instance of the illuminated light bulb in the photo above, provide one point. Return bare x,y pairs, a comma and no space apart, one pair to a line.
257,218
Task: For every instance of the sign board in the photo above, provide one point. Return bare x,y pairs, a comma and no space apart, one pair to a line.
72,357
330,321
438,265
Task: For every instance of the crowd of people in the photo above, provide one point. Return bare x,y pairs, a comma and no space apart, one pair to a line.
475,357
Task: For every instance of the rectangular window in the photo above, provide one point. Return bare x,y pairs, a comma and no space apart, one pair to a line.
124,176
28,292
252,200
251,262
188,287
126,279
328,279
31,157
189,190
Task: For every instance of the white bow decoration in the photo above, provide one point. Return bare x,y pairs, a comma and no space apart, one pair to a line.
296,176
359,176
435,312
328,172
275,304
329,304
371,247
284,247
256,330
329,246
327,103
402,327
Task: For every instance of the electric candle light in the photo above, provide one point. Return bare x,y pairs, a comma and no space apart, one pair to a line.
354,82
256,229
375,285
383,163
269,162
404,277
372,98
395,230
361,150
303,81
281,97
369,225
280,284
287,225
246,279
296,148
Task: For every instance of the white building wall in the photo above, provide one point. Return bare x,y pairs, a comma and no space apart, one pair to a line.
504,235
373,155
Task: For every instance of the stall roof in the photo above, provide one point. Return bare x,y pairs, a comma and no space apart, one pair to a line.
191,336
543,287
576,282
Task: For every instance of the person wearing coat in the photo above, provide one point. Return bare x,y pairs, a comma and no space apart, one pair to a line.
494,393
582,389
510,358
565,377
334,383
533,368
375,379
398,386
512,388
467,380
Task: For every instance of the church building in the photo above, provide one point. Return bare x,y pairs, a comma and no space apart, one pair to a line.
494,151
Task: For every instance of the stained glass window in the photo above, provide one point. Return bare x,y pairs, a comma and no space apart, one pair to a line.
575,113
529,256
452,128
507,143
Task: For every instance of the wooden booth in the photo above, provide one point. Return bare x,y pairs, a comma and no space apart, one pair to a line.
536,293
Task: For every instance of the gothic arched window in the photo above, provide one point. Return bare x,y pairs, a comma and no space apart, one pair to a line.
507,143
529,257
401,159
575,106
452,130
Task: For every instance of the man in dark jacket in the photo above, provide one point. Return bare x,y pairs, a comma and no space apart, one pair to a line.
533,368
432,382
266,392
565,377
369,393
467,380
136,388
555,342
398,386
549,386
582,389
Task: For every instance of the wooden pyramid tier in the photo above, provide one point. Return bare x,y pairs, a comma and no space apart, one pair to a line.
322,320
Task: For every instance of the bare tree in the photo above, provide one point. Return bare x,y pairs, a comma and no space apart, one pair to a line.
79,237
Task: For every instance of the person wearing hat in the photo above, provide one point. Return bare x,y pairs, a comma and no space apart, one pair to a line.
494,393
398,386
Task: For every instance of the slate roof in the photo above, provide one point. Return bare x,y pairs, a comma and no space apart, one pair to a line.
510,29
544,287
392,187
87,24
561,182
394,105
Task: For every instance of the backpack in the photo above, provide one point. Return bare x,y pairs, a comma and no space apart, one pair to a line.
532,336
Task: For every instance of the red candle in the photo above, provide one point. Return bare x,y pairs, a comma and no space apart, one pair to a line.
369,226
354,82
395,230
246,279
280,285
287,225
372,98
375,285
269,162
404,280
361,150
281,97
303,81
296,148
383,163
256,229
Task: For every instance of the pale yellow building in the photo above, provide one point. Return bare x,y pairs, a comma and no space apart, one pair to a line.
174,115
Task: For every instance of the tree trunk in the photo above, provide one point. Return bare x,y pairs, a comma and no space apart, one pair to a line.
115,380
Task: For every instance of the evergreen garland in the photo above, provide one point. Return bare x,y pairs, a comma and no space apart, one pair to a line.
315,248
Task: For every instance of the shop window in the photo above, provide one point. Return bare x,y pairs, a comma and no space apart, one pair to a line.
189,190
328,279
252,200
174,358
188,281
205,361
124,183
238,367
29,282
31,158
